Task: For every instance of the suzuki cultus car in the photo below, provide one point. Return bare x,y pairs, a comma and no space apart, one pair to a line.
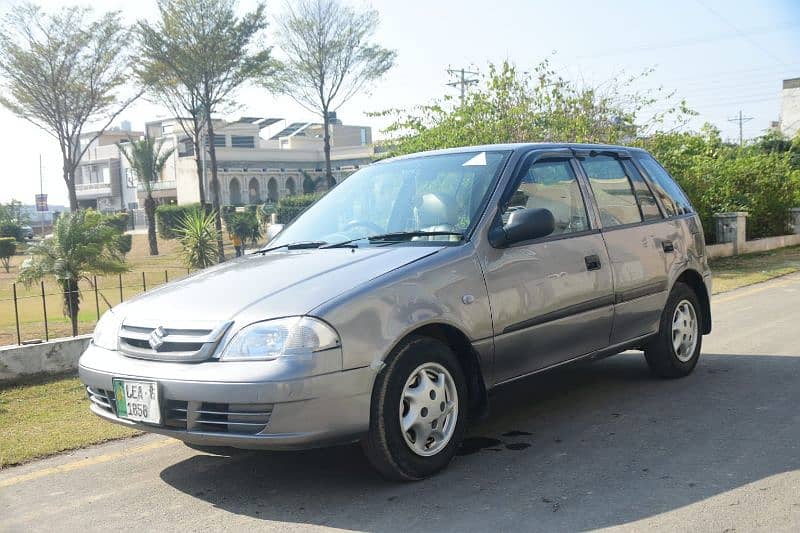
386,311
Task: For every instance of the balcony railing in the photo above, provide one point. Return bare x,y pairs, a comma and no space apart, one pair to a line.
92,189
158,185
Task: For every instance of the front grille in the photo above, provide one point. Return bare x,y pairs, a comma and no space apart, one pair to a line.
206,417
175,414
240,418
186,341
103,399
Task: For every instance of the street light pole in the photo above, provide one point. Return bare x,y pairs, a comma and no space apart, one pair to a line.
41,193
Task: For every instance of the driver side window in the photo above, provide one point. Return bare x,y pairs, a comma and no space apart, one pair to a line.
552,185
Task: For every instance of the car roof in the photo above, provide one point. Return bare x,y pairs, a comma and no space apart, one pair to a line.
514,147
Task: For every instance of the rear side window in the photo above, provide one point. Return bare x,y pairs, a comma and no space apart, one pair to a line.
673,198
613,191
647,202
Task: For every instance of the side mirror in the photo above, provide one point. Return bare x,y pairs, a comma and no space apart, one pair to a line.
523,225
273,230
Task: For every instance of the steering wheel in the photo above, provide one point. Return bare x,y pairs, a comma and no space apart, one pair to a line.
374,228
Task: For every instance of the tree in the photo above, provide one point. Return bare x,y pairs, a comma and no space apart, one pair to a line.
82,244
203,50
62,72
147,159
329,58
197,235
8,247
512,106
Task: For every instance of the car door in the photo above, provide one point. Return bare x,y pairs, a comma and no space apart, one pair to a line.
640,242
551,298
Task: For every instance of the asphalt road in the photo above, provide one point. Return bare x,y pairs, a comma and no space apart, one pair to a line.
590,446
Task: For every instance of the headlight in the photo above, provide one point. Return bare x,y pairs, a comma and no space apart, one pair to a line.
106,332
297,335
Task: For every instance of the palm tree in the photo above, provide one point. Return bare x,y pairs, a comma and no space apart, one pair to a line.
81,244
147,159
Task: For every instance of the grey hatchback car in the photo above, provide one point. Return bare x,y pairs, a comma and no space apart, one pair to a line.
387,310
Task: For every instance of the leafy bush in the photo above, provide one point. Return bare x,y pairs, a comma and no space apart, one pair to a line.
720,177
288,208
245,226
170,217
119,221
125,243
8,247
11,229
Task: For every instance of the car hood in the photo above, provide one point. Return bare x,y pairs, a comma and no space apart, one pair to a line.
280,283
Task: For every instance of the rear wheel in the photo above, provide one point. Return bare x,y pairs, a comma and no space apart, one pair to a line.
675,351
418,413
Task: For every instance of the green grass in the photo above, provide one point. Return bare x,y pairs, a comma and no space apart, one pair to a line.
48,415
734,272
165,266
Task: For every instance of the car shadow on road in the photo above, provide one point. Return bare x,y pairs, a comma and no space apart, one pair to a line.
585,446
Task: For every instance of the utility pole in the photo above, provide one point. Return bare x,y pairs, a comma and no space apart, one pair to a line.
741,120
462,81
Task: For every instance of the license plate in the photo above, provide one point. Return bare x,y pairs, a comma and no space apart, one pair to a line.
137,400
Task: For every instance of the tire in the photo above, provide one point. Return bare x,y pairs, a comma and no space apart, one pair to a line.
663,358
419,366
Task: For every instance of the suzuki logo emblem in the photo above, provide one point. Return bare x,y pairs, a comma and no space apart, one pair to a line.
156,339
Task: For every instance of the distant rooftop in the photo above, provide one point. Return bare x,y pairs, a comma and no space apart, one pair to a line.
792,83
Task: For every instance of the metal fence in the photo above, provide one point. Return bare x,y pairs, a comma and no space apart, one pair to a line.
36,313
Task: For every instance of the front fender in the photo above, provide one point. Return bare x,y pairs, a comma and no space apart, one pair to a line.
445,288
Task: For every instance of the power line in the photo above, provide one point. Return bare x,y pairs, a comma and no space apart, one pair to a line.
741,120
742,34
462,80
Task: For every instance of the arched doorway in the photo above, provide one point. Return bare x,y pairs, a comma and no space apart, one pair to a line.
254,190
290,186
308,185
235,189
272,190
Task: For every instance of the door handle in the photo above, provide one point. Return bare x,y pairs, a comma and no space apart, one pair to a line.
668,246
592,262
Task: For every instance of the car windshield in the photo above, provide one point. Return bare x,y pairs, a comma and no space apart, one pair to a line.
438,195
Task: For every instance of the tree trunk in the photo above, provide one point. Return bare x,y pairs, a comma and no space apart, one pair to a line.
327,138
198,160
69,179
71,303
150,212
215,201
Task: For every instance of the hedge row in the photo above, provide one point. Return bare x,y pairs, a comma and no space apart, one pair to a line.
288,208
169,217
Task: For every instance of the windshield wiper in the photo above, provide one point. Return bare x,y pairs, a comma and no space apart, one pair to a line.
398,236
395,236
302,245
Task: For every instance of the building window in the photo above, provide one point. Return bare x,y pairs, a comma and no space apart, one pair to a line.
243,141
219,141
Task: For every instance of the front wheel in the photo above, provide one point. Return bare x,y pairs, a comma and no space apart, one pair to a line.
676,349
418,413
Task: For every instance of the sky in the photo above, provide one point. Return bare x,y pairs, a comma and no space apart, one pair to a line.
721,56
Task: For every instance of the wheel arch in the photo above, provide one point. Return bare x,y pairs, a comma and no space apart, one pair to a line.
467,356
694,279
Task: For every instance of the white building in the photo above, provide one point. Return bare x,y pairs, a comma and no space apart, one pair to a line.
258,160
790,107
261,159
103,179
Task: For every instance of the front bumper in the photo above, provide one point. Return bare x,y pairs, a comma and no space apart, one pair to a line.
306,402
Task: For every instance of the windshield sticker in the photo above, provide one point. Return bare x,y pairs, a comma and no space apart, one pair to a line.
477,161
